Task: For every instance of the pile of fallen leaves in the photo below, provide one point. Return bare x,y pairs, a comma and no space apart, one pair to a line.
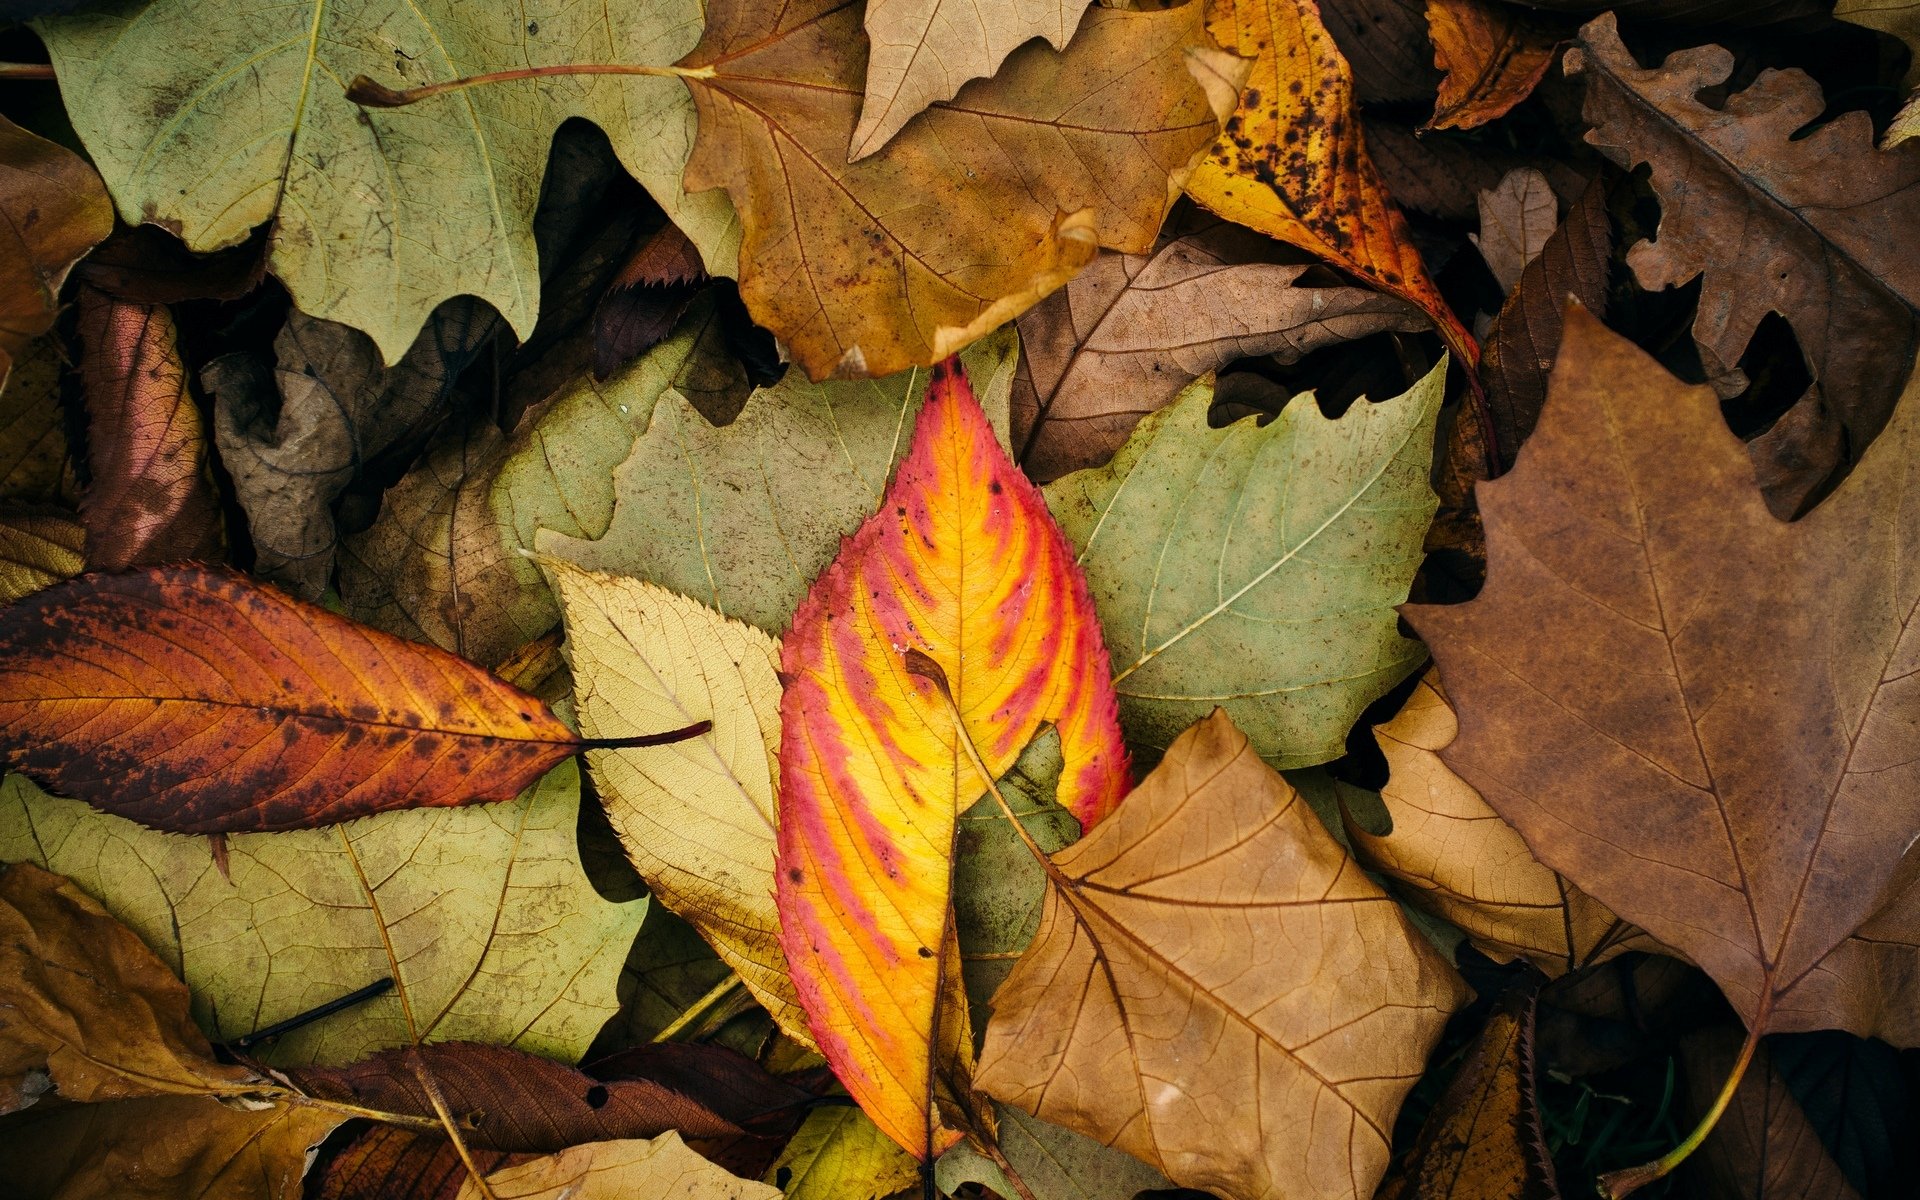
1291,600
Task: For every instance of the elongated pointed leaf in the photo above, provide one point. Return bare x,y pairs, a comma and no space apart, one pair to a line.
194,700
963,564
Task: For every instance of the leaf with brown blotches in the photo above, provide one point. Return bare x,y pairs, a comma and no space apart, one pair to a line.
1131,330
53,209
985,204
1218,989
38,546
1292,161
1717,741
1482,1141
151,497
1814,228
193,700
660,1169
1493,56
1462,863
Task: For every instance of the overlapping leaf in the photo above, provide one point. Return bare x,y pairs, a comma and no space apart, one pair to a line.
38,546
960,564
661,1168
53,209
1218,988
984,205
216,121
1272,557
840,1154
1492,55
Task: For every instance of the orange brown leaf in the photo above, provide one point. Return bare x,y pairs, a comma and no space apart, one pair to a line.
53,209
193,700
962,564
1493,56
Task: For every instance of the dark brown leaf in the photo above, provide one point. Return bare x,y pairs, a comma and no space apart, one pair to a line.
53,208
646,299
1385,42
148,265
386,1163
1764,1148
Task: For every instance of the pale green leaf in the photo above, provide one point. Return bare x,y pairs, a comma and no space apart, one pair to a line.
1054,1163
839,1154
1256,567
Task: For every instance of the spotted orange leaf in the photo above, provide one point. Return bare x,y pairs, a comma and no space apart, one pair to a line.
963,564
194,700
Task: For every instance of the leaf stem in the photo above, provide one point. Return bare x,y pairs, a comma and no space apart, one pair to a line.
1616,1184
26,70
684,733
699,1008
924,666
364,90
439,1102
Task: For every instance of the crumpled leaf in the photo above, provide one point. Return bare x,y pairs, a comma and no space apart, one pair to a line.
1492,54
1272,557
1483,1140
1462,863
1218,989
960,560
1516,219
151,498
295,435
53,209
1717,790
696,818
1054,1163
986,204
481,916
920,52
1810,227
840,1154
443,562
660,1169
151,695
33,439
38,546
1764,1148
742,517
1318,189
1130,331
214,121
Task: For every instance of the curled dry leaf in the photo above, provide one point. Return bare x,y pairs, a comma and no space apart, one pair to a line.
1292,161
216,122
1482,1141
1766,748
1274,555
1516,219
662,1168
151,497
1462,863
1493,55
193,700
53,209
482,916
1765,1148
958,562
743,517
920,52
1812,227
1218,989
38,546
696,817
1122,339
984,205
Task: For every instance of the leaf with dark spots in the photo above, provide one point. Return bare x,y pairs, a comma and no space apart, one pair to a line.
151,497
194,700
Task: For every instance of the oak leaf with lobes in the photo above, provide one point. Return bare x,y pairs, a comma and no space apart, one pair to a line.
1719,744
962,565
193,700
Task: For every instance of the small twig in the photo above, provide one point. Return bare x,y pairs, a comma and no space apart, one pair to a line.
26,70
246,1042
364,90
439,1102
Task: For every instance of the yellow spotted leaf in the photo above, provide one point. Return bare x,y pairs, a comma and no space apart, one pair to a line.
39,545
963,565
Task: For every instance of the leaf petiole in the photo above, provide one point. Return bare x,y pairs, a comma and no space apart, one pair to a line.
1616,1184
366,91
26,70
666,738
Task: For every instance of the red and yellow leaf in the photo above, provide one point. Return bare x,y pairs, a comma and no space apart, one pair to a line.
963,564
193,700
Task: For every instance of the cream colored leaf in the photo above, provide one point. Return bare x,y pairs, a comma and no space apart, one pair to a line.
1516,219
659,1168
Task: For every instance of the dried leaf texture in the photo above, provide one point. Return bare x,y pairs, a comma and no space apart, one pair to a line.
33,440
385,1162
987,203
1809,227
1492,56
1292,161
151,499
1462,863
53,209
1764,1148
482,916
963,564
1054,1163
840,1154
696,817
1385,43
921,52
1273,556
1122,339
38,546
1247,1009
1516,219
1766,748
192,700
215,122
660,1169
